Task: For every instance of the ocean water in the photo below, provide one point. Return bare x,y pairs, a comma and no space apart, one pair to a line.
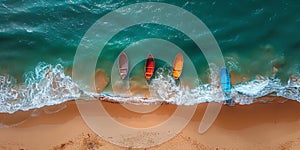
260,42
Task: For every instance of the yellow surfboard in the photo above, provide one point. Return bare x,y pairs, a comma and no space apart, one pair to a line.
177,66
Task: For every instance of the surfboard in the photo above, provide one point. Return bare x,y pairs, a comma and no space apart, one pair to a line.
123,65
149,67
177,66
225,84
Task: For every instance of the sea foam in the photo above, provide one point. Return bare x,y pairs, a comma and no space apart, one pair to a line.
48,85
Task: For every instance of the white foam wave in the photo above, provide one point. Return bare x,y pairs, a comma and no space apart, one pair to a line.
48,85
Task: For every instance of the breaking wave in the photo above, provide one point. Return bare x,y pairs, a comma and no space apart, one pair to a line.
49,85
46,85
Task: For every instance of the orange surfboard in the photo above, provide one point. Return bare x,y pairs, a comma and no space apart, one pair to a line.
149,67
177,66
123,65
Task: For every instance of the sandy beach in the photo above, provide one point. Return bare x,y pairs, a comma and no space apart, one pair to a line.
257,126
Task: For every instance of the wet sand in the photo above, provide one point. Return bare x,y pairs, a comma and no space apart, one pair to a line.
258,126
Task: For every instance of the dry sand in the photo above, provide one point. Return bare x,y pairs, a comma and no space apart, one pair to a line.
257,126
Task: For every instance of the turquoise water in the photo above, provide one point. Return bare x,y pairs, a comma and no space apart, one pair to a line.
254,36
34,31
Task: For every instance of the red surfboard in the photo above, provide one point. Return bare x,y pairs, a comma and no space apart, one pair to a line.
149,67
123,65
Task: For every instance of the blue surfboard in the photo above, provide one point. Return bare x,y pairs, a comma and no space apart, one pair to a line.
225,85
